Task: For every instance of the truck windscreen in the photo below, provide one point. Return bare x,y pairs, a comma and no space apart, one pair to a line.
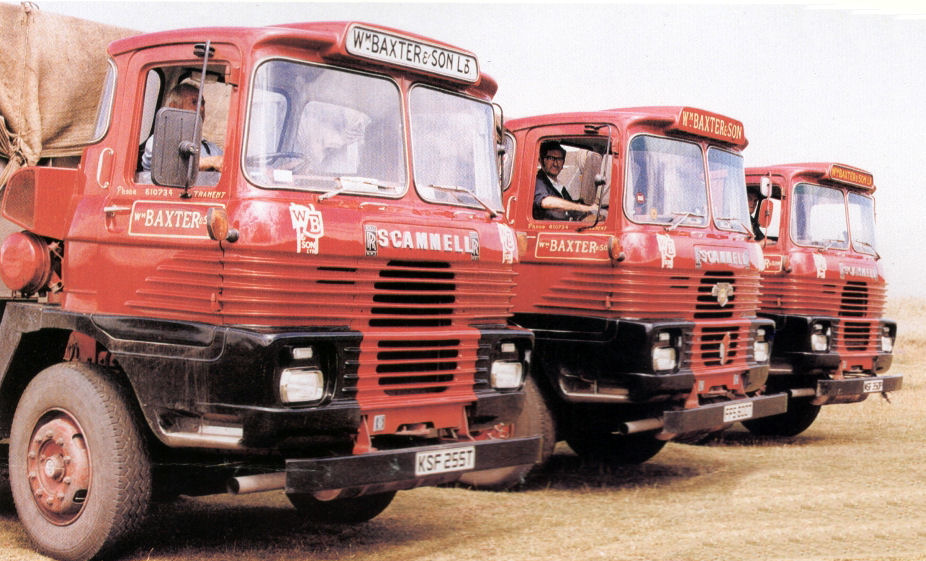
453,146
819,217
862,223
321,128
728,190
666,182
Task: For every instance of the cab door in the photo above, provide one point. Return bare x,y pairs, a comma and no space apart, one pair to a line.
587,158
154,238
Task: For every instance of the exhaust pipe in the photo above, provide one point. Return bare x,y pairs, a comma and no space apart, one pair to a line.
643,425
257,483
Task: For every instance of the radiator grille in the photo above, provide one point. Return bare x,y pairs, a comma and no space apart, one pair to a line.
854,302
857,336
715,288
415,295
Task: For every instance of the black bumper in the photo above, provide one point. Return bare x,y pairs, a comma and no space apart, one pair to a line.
715,415
397,469
596,360
855,389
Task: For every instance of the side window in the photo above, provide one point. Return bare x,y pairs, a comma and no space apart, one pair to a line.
507,160
773,230
567,171
179,87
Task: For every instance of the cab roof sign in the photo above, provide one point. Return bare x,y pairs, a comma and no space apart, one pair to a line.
852,176
710,125
412,53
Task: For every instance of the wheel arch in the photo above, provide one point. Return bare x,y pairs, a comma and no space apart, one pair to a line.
33,352
30,342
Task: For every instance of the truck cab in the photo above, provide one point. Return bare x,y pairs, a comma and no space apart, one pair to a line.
824,287
642,299
282,253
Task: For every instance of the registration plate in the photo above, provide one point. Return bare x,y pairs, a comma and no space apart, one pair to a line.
443,461
737,412
871,386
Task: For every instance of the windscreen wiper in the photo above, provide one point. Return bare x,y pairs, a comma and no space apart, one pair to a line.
869,246
681,217
353,183
456,190
739,222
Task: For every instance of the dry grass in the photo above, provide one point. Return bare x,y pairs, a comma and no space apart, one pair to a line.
853,487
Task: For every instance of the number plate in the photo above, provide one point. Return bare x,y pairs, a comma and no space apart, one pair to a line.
737,412
872,386
442,461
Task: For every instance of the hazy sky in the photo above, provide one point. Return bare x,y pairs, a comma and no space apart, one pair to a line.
810,83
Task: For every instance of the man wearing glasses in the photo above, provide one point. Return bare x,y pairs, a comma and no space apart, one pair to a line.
551,200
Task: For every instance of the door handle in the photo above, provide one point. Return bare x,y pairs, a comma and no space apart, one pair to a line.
104,167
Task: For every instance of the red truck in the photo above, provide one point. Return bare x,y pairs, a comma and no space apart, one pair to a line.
824,287
643,297
316,302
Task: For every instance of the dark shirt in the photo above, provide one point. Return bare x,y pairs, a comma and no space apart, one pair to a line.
755,227
543,188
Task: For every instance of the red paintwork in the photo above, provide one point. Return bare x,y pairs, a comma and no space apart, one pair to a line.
638,287
140,250
791,284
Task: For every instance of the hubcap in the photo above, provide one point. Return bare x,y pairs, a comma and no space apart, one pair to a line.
58,465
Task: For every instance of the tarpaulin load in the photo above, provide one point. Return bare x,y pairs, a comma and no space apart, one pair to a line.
52,69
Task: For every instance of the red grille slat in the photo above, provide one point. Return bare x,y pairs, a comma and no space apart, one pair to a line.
791,295
642,293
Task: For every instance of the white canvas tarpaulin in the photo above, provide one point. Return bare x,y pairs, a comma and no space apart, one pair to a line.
52,69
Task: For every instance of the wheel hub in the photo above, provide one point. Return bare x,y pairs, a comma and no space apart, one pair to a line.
58,467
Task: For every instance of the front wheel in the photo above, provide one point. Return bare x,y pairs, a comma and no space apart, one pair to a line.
798,418
79,471
534,419
6,498
353,510
615,448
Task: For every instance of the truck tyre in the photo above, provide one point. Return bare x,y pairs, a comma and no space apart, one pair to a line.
342,511
79,470
615,448
798,418
534,419
6,497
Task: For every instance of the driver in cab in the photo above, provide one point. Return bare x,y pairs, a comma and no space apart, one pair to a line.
184,96
551,199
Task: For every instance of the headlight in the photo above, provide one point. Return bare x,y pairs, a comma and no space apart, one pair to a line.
819,337
887,341
760,349
301,385
664,353
664,358
506,375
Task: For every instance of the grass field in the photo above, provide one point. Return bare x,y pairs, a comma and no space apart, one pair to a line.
852,487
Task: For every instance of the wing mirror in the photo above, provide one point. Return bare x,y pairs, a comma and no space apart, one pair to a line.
765,186
765,213
175,155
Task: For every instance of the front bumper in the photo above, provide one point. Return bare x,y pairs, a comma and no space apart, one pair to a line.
390,470
851,390
603,360
715,416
